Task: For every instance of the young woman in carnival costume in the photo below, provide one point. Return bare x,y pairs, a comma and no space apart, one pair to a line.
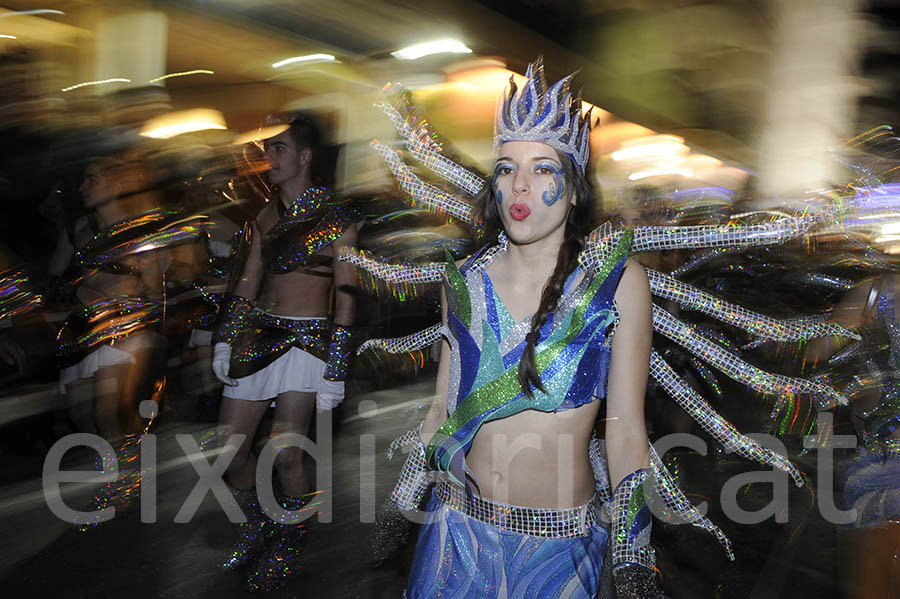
276,341
526,502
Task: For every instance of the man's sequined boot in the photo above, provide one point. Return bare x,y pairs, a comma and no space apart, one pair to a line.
122,493
252,533
281,558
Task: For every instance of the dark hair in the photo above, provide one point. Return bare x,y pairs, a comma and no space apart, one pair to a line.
303,128
579,223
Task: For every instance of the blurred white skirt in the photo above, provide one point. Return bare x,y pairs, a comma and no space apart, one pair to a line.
296,370
105,355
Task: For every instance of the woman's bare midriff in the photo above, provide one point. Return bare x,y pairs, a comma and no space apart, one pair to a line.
536,459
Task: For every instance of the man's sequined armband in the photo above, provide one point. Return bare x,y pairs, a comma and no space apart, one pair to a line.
338,353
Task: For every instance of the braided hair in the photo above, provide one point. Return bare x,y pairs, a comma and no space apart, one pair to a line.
579,223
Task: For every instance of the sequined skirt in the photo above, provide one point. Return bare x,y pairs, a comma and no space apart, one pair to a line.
462,556
268,337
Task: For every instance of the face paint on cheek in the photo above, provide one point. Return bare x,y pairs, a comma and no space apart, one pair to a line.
557,187
498,195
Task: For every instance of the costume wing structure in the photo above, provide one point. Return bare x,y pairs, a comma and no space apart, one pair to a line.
452,202
710,238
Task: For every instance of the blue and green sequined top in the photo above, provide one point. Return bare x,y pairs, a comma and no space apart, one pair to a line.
572,352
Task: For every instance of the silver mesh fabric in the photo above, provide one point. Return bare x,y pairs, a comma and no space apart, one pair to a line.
422,194
401,345
399,274
738,369
413,481
711,422
537,522
419,140
691,298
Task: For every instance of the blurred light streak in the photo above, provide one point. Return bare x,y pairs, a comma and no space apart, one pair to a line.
184,121
8,37
428,48
660,171
657,146
258,135
692,195
98,82
308,58
890,228
183,74
34,11
702,161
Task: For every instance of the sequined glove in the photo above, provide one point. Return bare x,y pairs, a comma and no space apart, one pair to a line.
392,525
633,559
221,363
413,482
636,582
338,354
329,394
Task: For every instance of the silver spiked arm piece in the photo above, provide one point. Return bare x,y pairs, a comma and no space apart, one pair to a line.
422,194
408,343
691,298
419,139
398,274
738,369
413,482
676,505
713,423
633,558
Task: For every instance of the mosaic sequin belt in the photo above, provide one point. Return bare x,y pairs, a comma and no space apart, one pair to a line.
886,448
564,523
306,325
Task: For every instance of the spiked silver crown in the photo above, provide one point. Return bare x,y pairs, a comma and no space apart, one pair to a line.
536,113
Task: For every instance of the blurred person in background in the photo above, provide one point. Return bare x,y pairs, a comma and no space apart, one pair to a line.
870,480
284,336
107,344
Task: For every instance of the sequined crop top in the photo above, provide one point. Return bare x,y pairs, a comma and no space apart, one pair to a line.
307,226
572,353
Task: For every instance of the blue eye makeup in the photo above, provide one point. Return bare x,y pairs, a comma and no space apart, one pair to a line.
503,168
557,187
